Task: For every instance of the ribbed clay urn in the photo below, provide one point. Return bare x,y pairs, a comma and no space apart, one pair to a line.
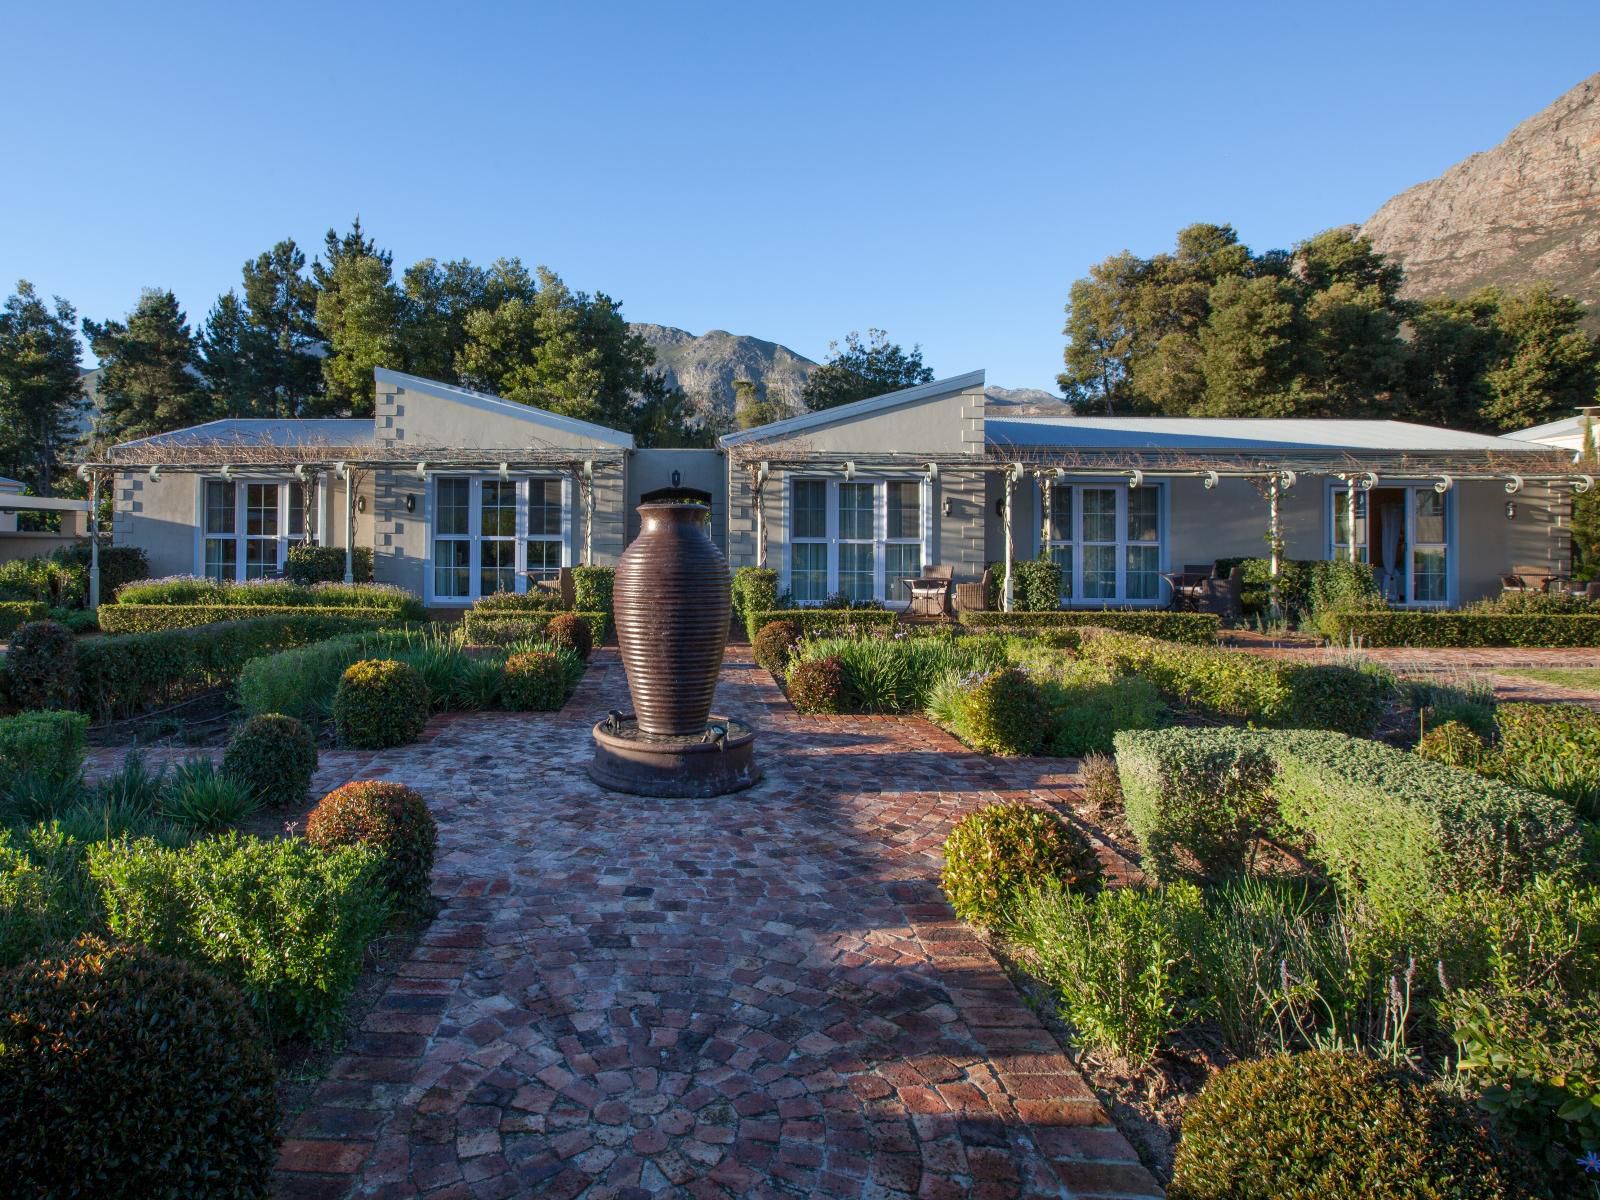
671,605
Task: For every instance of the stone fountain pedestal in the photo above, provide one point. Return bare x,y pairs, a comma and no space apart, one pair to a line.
671,603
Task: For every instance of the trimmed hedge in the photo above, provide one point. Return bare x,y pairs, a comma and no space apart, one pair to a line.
388,818
1386,824
272,593
1000,850
275,756
755,590
816,622
18,612
150,618
591,593
49,745
497,627
42,666
1392,627
1198,629
325,564
379,703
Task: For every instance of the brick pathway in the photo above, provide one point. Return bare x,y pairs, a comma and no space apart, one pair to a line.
756,995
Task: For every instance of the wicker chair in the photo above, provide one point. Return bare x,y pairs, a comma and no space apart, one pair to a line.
974,597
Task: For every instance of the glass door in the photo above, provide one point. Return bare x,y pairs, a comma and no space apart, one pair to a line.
1097,540
1430,547
858,557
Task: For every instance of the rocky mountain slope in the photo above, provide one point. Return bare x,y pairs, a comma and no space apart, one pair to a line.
1527,210
705,367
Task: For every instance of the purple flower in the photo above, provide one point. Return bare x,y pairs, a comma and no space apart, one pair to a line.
1590,1163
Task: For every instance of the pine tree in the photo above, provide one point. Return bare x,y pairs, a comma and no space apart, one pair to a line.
433,320
281,338
859,370
226,363
358,313
150,381
40,393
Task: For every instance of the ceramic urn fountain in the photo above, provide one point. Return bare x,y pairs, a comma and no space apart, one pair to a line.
671,604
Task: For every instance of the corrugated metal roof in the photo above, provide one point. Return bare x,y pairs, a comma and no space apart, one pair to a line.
1246,434
1567,427
267,431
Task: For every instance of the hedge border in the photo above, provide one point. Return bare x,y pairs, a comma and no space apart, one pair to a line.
494,627
821,620
19,612
1195,629
1450,629
154,618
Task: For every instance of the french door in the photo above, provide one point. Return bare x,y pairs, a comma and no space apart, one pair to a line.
246,527
1405,532
1108,539
855,537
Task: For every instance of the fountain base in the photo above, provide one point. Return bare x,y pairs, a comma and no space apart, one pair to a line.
720,760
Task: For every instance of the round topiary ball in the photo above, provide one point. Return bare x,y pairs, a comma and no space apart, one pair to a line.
380,702
570,630
1005,714
42,666
1320,1125
819,685
996,850
534,682
274,754
775,642
1454,744
124,1073
389,818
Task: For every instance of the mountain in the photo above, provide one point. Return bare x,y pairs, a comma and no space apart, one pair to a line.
706,367
1024,398
1527,210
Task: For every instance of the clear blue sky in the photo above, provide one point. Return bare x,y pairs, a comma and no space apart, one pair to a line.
943,171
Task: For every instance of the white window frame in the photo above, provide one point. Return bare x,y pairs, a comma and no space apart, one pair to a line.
883,588
240,536
474,535
1408,563
1071,577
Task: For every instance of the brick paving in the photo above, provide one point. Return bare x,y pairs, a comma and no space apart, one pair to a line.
756,995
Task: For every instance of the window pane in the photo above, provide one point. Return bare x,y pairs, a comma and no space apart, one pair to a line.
544,560
808,571
222,559
1099,515
810,509
497,567
297,510
855,511
260,557
1428,585
453,504
1141,576
1430,517
544,507
497,516
261,510
1063,555
1341,535
856,562
219,506
902,560
451,567
1144,514
1099,569
1061,512
905,509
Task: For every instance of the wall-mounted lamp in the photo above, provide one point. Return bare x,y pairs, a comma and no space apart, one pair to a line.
949,507
361,504
411,502
677,478
1511,510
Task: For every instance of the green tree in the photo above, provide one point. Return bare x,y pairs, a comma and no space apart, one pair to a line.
150,380
436,298
1549,365
358,312
40,393
752,406
859,370
1454,343
226,362
1252,349
284,348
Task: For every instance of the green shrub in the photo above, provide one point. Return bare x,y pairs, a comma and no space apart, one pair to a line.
44,581
1453,744
51,745
774,643
896,673
125,1075
1036,585
1199,629
306,565
755,590
153,618
1118,962
533,682
1319,1125
1304,585
1004,713
380,703
1197,799
493,626
1552,748
14,613
202,799
185,590
119,565
275,756
1463,628
44,897
287,922
993,854
818,685
827,622
591,593
1348,699
1089,706
571,630
299,682
539,600
391,820
42,666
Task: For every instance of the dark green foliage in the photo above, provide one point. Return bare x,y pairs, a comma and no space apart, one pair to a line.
1467,627
571,630
534,682
1304,585
1036,585
44,898
389,819
1350,700
1199,629
774,643
501,624
996,852
41,396
1197,799
275,756
50,745
1004,713
755,590
899,673
860,370
119,565
286,922
819,685
306,565
147,382
1317,1125
820,622
1454,744
14,613
591,593
126,1075
198,798
1552,748
44,579
380,703
42,666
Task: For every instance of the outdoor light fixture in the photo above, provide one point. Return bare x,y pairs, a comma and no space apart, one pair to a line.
361,504
677,478
949,507
1511,510
411,502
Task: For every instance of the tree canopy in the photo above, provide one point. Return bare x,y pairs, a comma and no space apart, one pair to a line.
150,381
859,370
40,392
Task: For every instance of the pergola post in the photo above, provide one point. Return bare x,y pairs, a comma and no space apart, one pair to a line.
1274,538
349,521
588,513
1046,505
759,502
94,541
1010,486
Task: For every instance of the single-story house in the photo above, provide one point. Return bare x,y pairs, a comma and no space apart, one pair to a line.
460,494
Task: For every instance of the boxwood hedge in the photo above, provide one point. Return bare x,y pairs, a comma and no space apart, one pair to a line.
1199,629
1387,627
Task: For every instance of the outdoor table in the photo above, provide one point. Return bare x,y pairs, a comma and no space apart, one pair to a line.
927,596
1186,587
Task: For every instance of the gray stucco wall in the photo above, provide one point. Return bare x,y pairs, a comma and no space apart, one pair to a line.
159,517
704,470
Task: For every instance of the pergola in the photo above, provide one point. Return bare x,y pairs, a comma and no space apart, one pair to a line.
19,503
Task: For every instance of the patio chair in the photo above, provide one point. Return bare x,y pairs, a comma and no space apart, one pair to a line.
930,592
561,586
1225,597
974,597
